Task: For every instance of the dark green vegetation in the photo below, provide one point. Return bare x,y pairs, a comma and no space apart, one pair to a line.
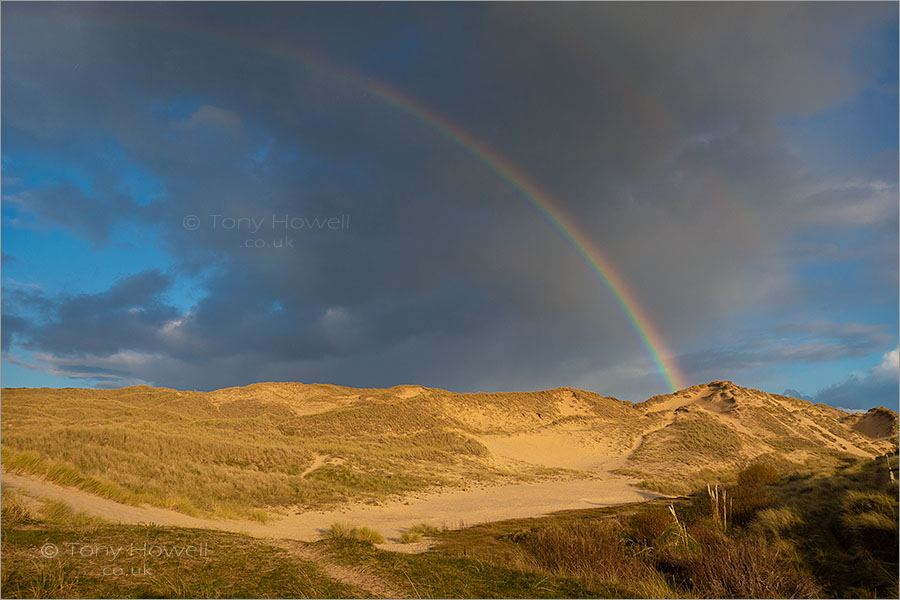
829,534
847,532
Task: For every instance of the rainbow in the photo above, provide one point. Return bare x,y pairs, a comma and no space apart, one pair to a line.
648,333
532,192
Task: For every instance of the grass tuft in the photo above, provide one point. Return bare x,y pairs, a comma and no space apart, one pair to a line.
369,535
425,529
341,530
14,510
410,537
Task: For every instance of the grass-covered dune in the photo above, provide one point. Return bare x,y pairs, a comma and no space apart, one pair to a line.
256,451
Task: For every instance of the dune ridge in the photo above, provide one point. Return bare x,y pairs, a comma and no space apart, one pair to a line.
271,449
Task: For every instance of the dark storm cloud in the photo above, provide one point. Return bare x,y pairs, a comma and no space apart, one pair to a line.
66,205
796,394
129,315
877,387
10,326
654,126
861,393
808,343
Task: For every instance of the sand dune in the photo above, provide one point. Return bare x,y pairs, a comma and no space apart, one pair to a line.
389,458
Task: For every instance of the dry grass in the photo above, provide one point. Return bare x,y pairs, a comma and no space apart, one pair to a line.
748,568
367,534
236,566
14,509
869,518
683,550
340,530
595,552
646,526
252,452
774,523
710,448
42,579
185,452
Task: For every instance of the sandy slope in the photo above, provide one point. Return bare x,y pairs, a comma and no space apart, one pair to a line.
673,441
443,509
879,423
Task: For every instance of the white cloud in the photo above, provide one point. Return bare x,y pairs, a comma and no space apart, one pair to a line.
889,366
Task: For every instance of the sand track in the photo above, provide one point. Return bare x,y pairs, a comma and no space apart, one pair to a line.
358,576
449,508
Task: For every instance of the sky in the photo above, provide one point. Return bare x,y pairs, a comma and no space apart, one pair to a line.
617,197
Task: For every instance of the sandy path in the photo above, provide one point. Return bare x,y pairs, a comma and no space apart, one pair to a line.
453,508
359,576
318,461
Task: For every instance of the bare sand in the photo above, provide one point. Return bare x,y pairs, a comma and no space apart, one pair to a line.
448,508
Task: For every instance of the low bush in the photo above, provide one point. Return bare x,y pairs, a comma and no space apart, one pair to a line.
759,474
645,526
752,493
592,550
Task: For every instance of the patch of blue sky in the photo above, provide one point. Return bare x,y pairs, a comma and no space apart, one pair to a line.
61,262
16,375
